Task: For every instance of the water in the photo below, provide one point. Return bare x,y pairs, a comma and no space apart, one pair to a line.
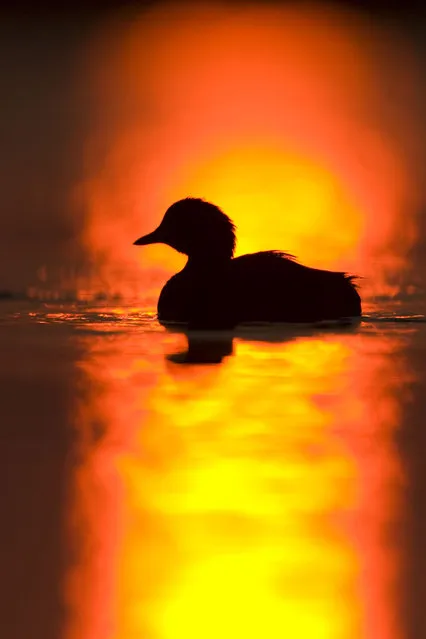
267,484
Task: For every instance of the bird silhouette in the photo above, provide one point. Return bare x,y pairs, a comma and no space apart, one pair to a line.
218,291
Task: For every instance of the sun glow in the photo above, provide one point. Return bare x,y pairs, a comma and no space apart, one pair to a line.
301,123
302,201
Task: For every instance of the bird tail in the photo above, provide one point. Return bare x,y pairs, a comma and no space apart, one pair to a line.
353,280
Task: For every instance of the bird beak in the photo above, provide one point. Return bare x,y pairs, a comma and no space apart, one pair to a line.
151,238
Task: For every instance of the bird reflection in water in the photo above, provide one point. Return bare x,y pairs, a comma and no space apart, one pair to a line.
204,350
212,347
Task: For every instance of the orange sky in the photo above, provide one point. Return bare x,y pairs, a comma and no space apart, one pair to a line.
302,124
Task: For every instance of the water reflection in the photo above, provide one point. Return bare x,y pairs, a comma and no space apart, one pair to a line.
256,498
212,347
207,349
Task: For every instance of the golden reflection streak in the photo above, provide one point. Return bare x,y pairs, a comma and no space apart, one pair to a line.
251,499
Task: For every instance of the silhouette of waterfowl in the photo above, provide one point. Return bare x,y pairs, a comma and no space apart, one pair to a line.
218,291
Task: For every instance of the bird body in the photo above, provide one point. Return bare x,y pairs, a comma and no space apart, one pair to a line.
217,291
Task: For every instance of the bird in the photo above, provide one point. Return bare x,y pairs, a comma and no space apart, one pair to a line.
217,291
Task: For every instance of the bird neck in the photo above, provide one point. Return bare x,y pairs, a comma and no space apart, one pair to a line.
207,260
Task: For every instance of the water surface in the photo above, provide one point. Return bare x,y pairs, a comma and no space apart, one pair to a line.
266,484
